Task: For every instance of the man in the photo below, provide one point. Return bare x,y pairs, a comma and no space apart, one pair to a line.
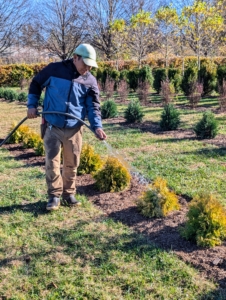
70,88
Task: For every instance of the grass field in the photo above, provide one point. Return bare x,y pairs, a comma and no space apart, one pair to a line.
81,254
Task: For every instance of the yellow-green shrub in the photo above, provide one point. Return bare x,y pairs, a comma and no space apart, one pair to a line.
157,200
31,139
39,148
90,161
19,134
206,223
113,177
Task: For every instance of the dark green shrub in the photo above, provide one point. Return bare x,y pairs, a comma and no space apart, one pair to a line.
2,93
157,200
159,76
206,223
145,75
221,74
175,78
207,127
90,162
190,76
133,112
115,74
10,95
133,79
97,73
208,76
170,118
114,177
109,109
124,75
22,97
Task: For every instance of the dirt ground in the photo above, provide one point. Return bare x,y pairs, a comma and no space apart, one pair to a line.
164,232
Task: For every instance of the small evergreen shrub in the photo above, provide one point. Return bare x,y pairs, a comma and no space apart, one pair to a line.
206,223
10,95
39,148
175,78
221,74
208,76
133,112
109,109
190,76
2,93
30,139
19,134
22,97
207,127
133,78
170,118
160,75
114,177
145,75
90,162
124,75
157,200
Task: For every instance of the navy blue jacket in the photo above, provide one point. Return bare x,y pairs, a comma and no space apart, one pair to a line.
66,91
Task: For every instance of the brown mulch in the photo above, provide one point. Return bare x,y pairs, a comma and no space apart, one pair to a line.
163,232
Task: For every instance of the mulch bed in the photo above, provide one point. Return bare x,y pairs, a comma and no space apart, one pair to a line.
163,232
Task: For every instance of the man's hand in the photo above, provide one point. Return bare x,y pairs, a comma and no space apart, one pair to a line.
100,134
32,113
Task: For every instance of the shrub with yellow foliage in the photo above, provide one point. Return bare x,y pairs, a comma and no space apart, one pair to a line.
157,200
114,176
90,162
206,223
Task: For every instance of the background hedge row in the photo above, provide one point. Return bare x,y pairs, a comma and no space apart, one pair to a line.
211,74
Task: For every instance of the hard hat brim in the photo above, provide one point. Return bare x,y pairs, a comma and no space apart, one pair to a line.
90,62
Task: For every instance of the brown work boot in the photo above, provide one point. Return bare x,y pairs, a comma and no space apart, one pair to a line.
70,200
53,203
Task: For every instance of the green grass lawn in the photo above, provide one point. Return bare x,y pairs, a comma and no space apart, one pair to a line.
79,253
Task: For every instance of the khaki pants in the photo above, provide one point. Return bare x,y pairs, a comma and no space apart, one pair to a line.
70,141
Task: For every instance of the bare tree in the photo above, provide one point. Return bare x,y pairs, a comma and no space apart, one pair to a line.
99,20
142,37
13,14
61,26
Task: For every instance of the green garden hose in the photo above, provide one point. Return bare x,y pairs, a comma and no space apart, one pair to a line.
43,113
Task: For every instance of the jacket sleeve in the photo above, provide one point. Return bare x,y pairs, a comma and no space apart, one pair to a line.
37,84
93,106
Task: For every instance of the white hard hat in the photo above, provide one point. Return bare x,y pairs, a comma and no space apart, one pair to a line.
88,54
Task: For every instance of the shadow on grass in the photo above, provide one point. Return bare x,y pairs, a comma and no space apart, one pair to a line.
211,153
37,208
137,245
